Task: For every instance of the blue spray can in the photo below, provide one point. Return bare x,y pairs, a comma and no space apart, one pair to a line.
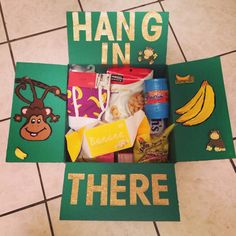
157,104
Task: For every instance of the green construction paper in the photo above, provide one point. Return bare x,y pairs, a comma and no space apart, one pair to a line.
51,149
188,143
89,52
81,211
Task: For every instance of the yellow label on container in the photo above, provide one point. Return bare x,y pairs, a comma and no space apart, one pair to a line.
108,138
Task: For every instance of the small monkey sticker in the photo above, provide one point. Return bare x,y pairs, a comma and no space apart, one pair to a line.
148,54
215,143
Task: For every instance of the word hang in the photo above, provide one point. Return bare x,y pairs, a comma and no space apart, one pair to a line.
151,29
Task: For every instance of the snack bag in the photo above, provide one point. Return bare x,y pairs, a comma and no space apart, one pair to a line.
87,97
152,149
127,84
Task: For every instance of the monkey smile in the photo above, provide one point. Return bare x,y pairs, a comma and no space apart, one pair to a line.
34,134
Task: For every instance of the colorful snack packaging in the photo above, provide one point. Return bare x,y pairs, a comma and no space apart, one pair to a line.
152,149
127,85
87,97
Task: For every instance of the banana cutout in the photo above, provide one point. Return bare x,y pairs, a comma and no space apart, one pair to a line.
199,108
20,154
184,79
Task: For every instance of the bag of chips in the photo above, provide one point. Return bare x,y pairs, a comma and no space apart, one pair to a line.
127,85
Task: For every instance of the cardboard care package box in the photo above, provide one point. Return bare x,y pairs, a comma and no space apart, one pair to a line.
119,117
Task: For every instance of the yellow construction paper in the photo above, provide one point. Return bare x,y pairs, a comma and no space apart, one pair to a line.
109,137
74,143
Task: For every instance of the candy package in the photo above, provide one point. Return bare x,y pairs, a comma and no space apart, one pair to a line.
87,97
127,84
149,148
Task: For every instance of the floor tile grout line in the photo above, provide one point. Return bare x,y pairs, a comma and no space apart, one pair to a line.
156,228
53,198
2,43
7,35
37,34
80,5
44,195
5,119
233,164
30,206
143,5
172,30
226,53
22,208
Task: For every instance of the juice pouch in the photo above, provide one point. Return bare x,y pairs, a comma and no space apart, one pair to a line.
88,96
127,85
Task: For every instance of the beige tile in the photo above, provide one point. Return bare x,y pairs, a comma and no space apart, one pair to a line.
19,183
20,186
204,28
98,228
6,81
53,177
4,129
106,5
235,150
45,48
207,199
229,73
150,7
2,31
173,52
29,17
29,222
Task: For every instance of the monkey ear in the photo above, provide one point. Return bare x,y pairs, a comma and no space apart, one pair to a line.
24,110
48,111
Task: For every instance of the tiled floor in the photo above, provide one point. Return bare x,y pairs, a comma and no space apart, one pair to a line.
207,190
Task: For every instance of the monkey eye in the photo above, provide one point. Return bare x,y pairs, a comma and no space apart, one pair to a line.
33,121
38,121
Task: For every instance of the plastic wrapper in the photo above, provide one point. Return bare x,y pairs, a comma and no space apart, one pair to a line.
127,97
152,149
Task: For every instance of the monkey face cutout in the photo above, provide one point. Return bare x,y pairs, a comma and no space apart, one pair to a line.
35,129
36,113
214,135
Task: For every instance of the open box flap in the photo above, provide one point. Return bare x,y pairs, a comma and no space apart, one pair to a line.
119,183
101,38
38,123
203,131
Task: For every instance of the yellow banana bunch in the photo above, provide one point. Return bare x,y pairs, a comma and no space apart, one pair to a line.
199,108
